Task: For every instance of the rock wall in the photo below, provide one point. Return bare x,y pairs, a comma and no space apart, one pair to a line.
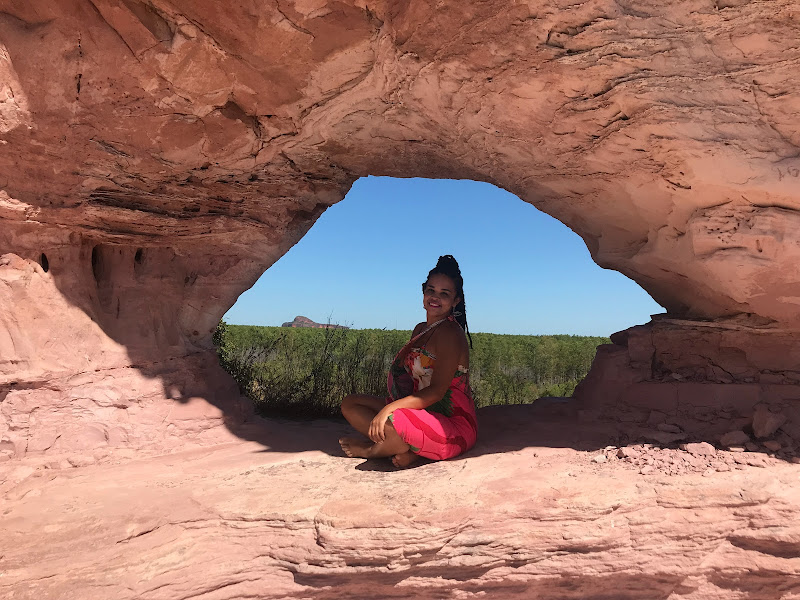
157,156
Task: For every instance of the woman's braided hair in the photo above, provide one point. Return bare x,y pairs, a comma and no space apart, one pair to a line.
447,265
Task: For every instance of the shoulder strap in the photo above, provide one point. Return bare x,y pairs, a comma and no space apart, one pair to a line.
409,343
426,330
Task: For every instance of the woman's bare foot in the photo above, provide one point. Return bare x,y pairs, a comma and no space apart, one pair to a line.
404,460
355,448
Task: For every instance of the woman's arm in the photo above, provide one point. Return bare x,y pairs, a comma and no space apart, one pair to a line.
450,343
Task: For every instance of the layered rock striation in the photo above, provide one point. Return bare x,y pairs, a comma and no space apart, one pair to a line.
530,512
157,156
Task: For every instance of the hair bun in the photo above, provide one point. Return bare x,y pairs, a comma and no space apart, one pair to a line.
448,262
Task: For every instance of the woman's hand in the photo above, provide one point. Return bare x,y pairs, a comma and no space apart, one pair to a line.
377,427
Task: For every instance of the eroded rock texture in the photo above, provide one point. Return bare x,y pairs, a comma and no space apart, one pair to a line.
158,155
529,513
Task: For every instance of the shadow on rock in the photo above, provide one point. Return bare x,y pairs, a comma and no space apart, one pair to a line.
549,423
468,581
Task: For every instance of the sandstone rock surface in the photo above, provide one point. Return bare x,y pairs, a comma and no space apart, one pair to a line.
734,438
159,155
526,514
767,422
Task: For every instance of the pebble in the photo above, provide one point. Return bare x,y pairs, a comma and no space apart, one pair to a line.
766,423
700,458
734,438
699,449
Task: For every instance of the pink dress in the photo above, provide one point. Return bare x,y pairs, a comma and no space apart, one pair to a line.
444,429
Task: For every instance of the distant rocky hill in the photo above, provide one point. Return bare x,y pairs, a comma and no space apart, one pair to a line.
306,322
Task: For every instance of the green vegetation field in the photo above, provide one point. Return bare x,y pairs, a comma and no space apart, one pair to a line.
306,372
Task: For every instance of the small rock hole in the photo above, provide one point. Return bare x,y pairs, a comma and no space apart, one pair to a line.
138,256
44,262
96,264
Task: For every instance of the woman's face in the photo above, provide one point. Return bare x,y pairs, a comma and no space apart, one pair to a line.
439,296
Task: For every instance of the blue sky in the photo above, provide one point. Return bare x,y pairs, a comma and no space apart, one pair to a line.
363,261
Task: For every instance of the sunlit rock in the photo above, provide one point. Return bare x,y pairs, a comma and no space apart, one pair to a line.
528,513
158,156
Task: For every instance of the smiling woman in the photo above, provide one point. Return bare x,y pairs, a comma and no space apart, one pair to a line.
430,411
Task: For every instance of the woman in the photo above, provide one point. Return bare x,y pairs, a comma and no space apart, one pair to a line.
430,411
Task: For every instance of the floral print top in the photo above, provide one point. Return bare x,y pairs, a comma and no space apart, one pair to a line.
412,372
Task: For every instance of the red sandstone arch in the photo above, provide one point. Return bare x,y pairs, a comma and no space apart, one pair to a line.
158,156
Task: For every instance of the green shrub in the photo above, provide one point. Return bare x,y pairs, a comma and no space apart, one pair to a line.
305,373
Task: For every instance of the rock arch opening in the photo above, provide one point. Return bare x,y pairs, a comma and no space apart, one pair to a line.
360,266
526,273
676,163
